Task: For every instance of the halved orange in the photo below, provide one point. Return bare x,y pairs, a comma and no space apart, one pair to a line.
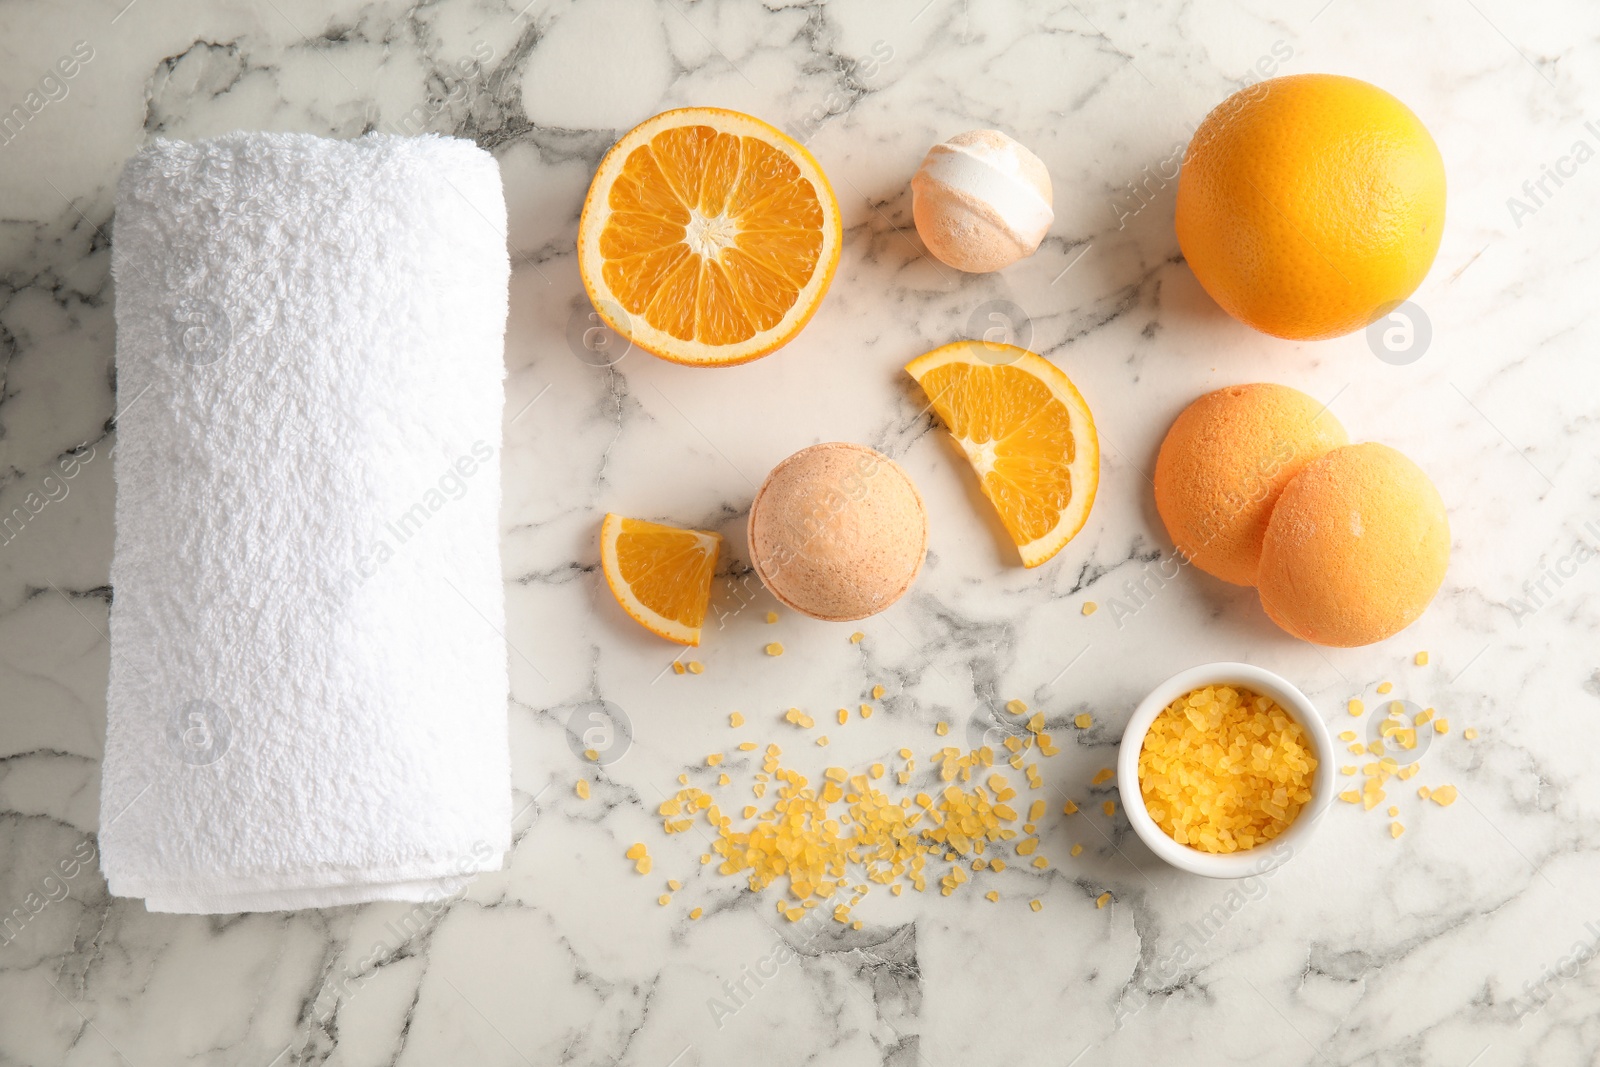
661,575
708,237
1027,432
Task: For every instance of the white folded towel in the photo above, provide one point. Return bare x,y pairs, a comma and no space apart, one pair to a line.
308,688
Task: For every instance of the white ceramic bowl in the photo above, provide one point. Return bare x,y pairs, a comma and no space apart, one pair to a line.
1263,857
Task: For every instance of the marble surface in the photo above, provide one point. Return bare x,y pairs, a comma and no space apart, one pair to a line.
1467,941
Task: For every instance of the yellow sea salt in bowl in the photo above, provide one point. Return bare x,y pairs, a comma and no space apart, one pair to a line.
1224,770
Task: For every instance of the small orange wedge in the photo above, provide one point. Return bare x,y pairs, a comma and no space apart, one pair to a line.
1027,432
708,237
661,575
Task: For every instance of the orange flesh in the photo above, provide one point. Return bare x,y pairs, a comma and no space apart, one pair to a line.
711,236
668,570
1031,433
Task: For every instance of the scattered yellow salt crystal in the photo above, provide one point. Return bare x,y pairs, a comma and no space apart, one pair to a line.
1016,707
713,759
877,770
1423,716
1356,707
1372,799
696,667
747,746
855,638
905,753
1395,829
591,755
1102,900
735,720
1035,904
1409,771
1035,810
1350,796
997,864
942,728
772,616
844,716
1077,850
1444,796
1420,659
991,895
677,666
1393,811
1109,807
1441,726
674,885
643,866
877,692
1104,774
1385,687
775,649
866,711
664,899
1470,733
1347,770
1036,722
695,913
1090,607
1358,749
1026,846
722,779
582,789
1347,735
1376,748
750,811
823,740
1040,862
683,779
1083,721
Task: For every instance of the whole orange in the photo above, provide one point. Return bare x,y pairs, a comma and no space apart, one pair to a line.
1310,205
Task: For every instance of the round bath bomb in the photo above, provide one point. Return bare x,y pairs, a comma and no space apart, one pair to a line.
838,532
981,201
1223,464
1356,548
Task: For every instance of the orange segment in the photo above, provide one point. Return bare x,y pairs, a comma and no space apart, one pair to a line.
661,575
1027,432
708,237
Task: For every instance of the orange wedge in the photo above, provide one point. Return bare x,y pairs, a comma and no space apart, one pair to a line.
661,575
1027,432
708,237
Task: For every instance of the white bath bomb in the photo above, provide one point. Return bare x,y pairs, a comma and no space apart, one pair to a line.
981,201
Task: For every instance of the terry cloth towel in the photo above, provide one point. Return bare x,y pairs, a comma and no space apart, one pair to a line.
308,689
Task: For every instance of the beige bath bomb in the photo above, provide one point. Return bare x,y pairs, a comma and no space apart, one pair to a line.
981,201
838,532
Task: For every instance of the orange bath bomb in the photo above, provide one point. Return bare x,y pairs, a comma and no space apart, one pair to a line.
1223,464
1356,548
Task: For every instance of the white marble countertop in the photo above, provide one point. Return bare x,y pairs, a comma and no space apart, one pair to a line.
1467,941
